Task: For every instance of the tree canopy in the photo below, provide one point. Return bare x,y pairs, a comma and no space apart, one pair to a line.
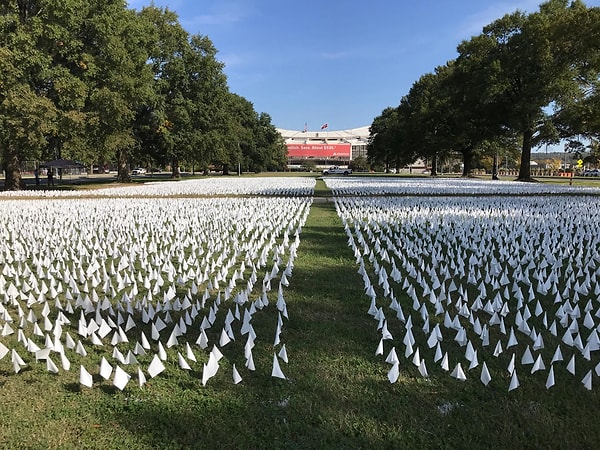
98,82
531,78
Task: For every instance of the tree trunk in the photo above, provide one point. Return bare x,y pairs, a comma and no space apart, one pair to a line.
467,161
495,167
225,169
123,175
175,172
434,166
525,170
12,170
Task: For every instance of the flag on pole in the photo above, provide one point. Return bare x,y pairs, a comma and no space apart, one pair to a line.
325,125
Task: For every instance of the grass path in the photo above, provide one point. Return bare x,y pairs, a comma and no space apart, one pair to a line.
339,395
331,333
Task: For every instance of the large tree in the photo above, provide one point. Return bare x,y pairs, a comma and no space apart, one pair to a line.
430,129
271,149
577,111
119,79
190,95
386,145
438,117
250,139
519,69
27,115
73,74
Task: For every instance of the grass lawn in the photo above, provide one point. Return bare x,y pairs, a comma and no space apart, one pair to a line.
336,393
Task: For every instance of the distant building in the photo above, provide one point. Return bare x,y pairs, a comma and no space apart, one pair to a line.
325,148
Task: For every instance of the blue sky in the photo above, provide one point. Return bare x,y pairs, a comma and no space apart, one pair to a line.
332,62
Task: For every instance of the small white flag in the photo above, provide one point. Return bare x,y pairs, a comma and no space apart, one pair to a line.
276,372
85,377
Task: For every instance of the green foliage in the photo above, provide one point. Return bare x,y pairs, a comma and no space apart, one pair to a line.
194,118
387,145
522,64
104,82
359,164
309,165
532,76
272,154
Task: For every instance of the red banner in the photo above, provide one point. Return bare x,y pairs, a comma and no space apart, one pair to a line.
319,150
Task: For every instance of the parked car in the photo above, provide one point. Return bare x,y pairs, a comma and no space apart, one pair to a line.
138,171
592,173
100,169
335,170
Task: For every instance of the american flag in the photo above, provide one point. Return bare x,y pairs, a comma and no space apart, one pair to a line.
325,125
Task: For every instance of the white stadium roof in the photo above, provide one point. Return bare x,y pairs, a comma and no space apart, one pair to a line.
348,135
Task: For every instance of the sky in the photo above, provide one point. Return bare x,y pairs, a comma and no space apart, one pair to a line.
314,62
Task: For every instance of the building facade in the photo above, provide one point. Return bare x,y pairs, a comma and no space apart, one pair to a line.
325,148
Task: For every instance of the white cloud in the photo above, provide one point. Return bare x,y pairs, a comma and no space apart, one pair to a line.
219,14
473,24
231,59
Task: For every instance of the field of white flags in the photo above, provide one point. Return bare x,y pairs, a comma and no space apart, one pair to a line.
117,286
499,290
280,186
363,186
145,280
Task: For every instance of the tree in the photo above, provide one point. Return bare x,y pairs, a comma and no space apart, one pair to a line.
577,112
166,41
250,139
420,124
359,164
520,71
117,74
27,115
438,117
309,165
241,122
189,108
208,91
81,70
272,151
64,82
93,80
25,121
470,126
385,144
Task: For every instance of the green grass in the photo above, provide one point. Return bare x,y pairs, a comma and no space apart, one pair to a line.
336,394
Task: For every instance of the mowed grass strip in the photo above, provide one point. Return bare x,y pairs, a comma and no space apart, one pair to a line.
340,396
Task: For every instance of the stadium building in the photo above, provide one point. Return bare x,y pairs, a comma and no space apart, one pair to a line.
325,148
